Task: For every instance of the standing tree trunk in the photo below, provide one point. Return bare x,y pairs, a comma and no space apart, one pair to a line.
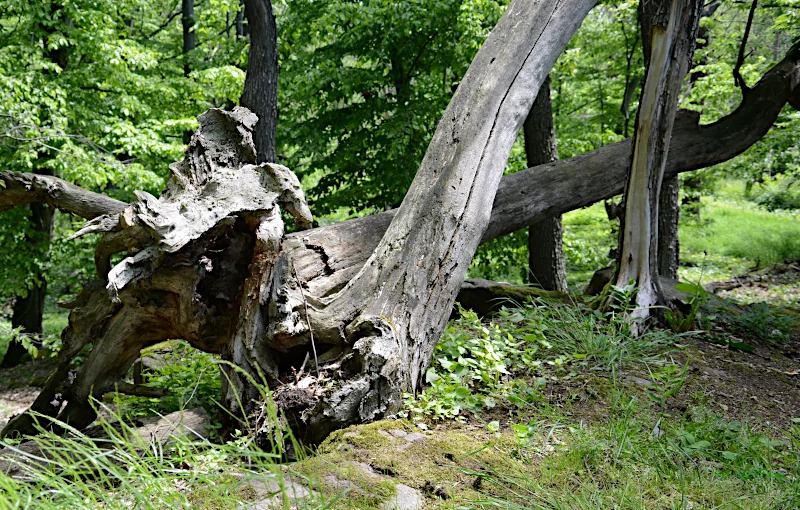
28,310
189,38
545,251
668,216
669,28
261,82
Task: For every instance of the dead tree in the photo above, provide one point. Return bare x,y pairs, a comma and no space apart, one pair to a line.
208,261
669,30
195,292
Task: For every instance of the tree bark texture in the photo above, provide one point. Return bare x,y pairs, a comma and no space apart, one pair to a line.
375,337
261,81
545,252
670,30
196,291
668,240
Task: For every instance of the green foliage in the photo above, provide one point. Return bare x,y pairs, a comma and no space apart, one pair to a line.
95,93
190,376
475,364
770,237
667,381
363,86
758,320
472,362
624,462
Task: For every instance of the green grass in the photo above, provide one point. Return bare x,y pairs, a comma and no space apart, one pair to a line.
635,460
736,235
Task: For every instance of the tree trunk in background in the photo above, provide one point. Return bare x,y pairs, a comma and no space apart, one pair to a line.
669,28
29,310
545,253
189,39
260,94
669,202
668,240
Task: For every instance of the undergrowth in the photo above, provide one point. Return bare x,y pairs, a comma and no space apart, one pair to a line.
477,364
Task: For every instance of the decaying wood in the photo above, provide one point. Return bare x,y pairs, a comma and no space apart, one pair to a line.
671,27
327,258
26,188
384,323
375,337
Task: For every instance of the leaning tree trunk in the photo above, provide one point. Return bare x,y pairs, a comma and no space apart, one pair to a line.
260,93
325,259
545,251
670,30
208,261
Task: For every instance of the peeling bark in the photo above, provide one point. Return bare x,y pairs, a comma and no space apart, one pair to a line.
670,29
377,334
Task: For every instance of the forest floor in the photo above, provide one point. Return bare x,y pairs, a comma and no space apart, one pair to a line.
699,420
544,406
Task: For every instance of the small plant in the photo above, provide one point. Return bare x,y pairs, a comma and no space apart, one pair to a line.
761,321
667,381
680,323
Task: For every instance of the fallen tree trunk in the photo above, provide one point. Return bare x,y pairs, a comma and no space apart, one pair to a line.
326,258
208,262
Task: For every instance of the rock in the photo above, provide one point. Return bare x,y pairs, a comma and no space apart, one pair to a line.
599,280
405,499
292,492
190,424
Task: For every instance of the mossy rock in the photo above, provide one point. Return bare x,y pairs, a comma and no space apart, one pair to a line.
372,461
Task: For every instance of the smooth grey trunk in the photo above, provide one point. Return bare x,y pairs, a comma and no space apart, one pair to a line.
670,27
545,252
261,82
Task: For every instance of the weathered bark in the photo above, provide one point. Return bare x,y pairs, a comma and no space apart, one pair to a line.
17,189
326,258
196,291
261,82
545,252
385,322
377,335
670,27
